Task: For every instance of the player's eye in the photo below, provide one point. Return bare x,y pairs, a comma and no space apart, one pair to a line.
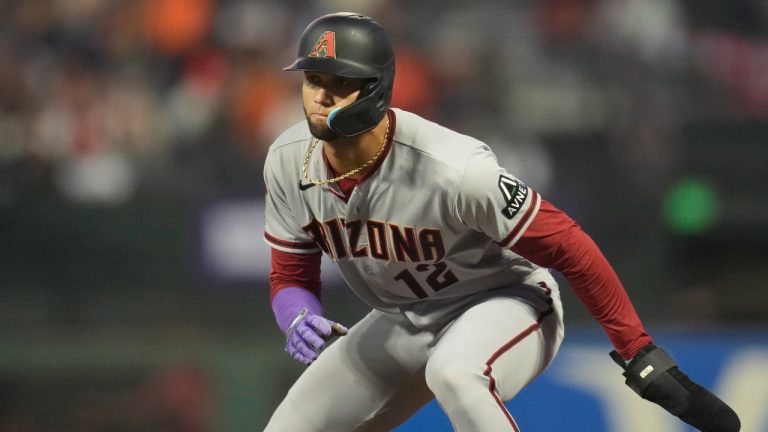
313,79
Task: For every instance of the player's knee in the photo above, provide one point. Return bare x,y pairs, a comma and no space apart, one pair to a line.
450,380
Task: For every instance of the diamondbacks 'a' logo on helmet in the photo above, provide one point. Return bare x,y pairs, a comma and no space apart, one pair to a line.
325,46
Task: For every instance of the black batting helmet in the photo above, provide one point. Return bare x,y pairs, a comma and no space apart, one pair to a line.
353,46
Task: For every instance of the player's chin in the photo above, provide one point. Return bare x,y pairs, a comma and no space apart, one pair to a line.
321,131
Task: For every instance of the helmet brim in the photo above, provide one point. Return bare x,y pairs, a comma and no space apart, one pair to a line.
334,66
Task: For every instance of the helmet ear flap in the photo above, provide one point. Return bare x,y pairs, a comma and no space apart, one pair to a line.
381,102
363,114
368,88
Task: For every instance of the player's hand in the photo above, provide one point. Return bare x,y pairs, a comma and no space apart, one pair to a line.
308,334
655,376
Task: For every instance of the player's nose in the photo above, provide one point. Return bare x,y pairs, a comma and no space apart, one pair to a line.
323,97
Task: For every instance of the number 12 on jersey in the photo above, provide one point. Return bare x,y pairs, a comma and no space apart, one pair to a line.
439,277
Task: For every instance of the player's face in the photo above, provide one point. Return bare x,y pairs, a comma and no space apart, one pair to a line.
322,93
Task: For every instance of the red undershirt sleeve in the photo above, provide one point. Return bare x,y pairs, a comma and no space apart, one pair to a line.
294,270
554,240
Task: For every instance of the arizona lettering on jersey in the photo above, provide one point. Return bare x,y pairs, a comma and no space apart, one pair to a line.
340,239
383,236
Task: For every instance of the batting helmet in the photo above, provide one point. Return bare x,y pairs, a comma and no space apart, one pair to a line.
351,45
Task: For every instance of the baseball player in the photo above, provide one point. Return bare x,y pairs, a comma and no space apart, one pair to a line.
450,250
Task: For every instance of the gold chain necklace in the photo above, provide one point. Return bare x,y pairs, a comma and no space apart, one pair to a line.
348,174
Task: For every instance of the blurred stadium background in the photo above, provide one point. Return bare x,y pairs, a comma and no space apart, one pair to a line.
133,277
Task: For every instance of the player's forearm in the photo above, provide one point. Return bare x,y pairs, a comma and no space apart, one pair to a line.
596,284
294,282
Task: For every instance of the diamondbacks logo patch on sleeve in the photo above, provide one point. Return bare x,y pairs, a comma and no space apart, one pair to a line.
515,192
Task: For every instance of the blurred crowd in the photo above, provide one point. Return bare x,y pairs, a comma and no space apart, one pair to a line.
103,100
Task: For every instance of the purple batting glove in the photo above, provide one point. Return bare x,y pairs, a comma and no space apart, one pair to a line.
288,302
308,334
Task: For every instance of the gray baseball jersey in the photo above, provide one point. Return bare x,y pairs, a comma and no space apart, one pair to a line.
426,232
